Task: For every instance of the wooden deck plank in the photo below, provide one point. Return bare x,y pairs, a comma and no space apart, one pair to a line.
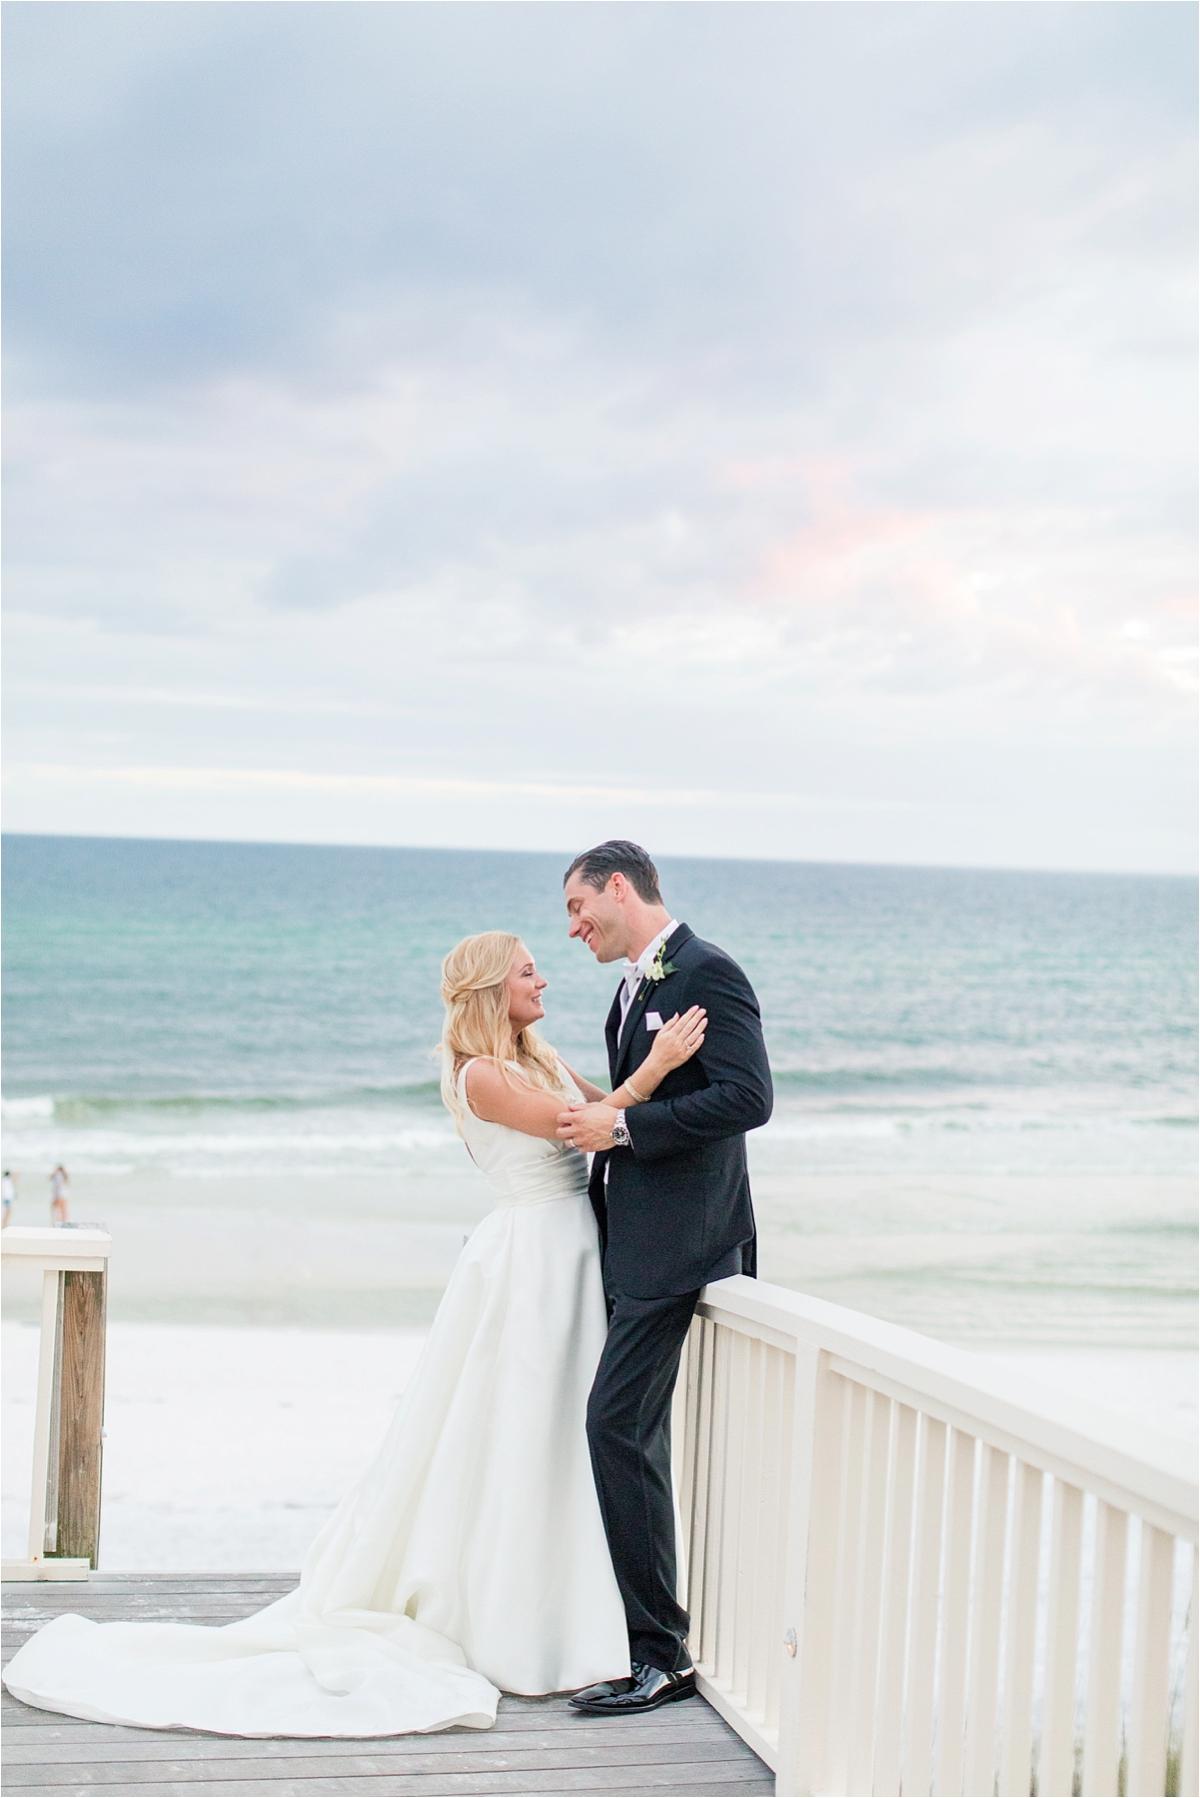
21,1629
531,1751
168,1777
173,1604
61,1743
56,1591
54,1595
31,1728
211,1615
183,1602
543,1715
67,1594
538,1746
690,1718
688,1781
167,1608
177,1761
686,1786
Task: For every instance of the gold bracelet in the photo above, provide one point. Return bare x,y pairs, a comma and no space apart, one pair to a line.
637,1097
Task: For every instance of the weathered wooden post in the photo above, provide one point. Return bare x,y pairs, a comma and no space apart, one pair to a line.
64,1510
80,1415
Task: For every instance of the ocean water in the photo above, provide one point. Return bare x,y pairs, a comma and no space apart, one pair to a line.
986,1081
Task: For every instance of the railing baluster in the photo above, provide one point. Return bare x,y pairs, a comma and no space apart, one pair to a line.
922,1644
1102,1719
1016,1735
889,1712
740,1525
763,1581
54,1465
865,1661
698,1598
45,1449
777,1588
1056,1762
952,1697
983,1696
1147,1768
716,1621
690,1476
1189,1759
804,1747
848,1594
683,1458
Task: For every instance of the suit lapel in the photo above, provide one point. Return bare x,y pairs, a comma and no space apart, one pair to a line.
612,1027
633,1016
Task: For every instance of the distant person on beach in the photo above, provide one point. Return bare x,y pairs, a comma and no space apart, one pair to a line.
8,1188
60,1189
471,1554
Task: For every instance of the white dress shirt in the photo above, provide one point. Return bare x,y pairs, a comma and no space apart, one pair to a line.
635,971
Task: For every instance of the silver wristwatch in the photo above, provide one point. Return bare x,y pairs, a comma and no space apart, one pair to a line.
620,1131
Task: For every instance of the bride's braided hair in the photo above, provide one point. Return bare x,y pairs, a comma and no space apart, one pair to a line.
475,991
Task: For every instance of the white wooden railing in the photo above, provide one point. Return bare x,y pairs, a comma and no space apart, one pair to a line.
68,1425
910,1571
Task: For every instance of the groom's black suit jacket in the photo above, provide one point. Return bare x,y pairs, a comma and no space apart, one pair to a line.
676,1207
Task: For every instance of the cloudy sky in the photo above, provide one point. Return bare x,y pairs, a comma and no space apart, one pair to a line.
764,429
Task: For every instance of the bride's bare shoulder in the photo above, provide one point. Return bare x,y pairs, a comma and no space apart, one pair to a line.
483,1081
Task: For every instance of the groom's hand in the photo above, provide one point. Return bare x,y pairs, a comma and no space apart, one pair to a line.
587,1127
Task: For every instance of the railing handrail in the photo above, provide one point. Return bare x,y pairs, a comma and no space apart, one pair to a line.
1130,1463
65,1243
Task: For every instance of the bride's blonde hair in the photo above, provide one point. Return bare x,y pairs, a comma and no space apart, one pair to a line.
475,990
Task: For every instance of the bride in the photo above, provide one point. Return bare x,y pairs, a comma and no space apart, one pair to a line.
470,1554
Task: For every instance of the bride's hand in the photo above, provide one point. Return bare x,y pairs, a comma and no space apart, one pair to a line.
677,1041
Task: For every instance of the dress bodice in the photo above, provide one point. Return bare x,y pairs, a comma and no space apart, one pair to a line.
520,1169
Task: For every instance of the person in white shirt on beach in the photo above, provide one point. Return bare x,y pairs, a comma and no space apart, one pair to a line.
60,1188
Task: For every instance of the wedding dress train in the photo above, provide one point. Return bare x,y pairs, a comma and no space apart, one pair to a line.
469,1556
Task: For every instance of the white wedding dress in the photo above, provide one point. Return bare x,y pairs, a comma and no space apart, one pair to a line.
469,1556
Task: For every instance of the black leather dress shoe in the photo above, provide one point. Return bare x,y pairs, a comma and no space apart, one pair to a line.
644,1691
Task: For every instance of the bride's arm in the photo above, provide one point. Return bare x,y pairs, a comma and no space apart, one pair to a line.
595,1094
498,1100
677,1041
590,1126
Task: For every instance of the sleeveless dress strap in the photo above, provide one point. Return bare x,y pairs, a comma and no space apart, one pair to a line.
460,1084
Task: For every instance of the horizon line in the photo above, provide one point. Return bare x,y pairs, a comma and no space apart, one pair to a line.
669,856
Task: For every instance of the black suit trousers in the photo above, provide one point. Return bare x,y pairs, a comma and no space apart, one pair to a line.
629,1434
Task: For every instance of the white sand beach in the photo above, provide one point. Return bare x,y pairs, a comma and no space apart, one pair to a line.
1062,1261
224,1447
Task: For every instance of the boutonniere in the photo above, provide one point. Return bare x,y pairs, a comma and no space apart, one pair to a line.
659,968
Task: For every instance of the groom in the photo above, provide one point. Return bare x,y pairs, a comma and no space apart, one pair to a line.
672,1199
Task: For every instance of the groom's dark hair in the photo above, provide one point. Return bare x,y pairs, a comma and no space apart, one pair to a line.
597,866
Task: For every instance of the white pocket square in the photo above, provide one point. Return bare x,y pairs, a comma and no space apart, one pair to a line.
653,1021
